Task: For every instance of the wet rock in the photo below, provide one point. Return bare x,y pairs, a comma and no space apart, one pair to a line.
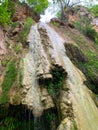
75,53
46,99
66,124
3,49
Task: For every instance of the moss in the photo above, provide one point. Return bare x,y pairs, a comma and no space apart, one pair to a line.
4,62
14,25
23,34
17,118
21,70
90,66
91,71
75,126
18,48
50,119
56,84
9,79
55,23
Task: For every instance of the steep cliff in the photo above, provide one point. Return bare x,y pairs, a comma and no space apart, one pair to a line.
41,86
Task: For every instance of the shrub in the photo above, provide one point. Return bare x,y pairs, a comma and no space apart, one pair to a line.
6,11
4,14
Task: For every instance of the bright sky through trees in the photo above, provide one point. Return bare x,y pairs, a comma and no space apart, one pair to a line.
51,11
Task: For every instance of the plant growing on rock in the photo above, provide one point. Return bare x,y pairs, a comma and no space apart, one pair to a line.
9,79
56,84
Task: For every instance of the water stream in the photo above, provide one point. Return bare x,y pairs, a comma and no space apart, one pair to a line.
38,62
85,109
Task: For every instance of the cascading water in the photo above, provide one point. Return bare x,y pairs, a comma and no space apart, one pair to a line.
85,109
46,47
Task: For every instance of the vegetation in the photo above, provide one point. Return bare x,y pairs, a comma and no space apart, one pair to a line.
7,9
12,121
9,79
4,14
84,26
56,84
91,70
23,34
50,117
18,48
20,73
94,10
39,5
85,60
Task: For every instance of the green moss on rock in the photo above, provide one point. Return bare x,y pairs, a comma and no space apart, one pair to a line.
23,34
9,79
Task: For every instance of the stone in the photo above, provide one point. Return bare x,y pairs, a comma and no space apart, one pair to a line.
66,124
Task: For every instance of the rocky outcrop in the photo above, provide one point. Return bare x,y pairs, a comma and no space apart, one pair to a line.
44,62
74,53
3,49
3,52
22,12
46,49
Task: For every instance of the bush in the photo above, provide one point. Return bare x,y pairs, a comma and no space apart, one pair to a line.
6,11
4,14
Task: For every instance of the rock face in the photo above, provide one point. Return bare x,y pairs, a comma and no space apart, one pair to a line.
3,51
66,100
46,49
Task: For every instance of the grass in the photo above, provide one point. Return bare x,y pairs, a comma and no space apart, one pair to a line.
23,34
9,79
18,48
90,67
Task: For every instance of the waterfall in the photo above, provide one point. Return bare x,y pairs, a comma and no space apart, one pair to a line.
46,47
84,107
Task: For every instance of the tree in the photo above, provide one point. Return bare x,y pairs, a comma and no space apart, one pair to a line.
67,5
38,5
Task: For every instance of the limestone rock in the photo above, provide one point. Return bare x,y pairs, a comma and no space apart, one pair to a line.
66,124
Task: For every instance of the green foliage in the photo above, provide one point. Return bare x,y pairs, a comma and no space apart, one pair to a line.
56,84
13,25
18,48
4,14
20,72
38,5
90,68
50,117
4,62
94,10
6,11
90,33
74,126
85,27
16,118
23,34
9,79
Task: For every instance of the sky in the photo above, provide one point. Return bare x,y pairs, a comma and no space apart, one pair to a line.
51,11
